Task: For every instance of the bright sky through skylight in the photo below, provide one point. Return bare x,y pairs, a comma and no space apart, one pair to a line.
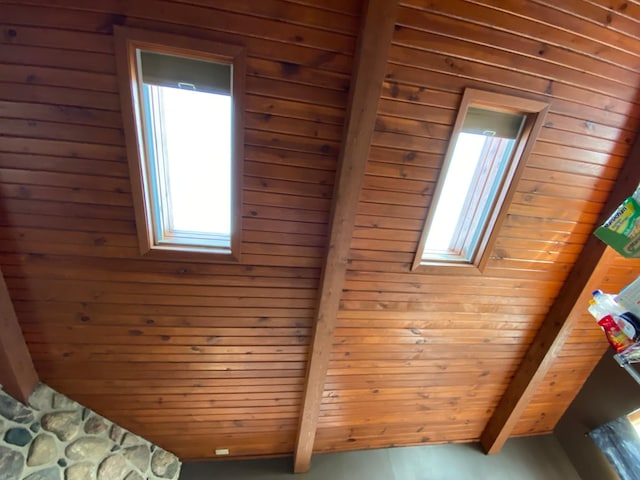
198,136
458,179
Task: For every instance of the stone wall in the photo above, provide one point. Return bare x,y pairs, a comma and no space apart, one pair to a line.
58,439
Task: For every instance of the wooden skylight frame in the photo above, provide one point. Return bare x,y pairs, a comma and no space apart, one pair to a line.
534,112
128,43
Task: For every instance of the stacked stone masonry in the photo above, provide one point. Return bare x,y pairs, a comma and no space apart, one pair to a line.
55,438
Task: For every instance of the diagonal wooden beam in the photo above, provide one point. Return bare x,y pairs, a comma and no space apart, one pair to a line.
366,87
571,303
18,376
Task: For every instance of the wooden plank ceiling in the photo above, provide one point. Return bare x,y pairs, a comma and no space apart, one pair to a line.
198,356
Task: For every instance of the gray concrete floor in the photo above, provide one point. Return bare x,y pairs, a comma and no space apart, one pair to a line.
530,458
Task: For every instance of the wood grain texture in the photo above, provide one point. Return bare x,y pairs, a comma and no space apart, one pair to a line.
424,329
588,272
128,43
367,77
18,376
68,231
415,357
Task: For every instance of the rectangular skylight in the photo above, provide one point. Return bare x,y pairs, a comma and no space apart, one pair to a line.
461,170
490,136
467,196
191,165
182,104
187,115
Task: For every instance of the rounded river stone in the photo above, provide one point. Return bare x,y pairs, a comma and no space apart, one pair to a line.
65,425
11,464
164,464
40,399
116,433
95,425
51,473
113,467
133,475
43,450
61,402
87,448
138,456
18,436
79,471
13,410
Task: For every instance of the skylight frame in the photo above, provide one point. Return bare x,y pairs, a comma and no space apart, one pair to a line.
534,112
129,42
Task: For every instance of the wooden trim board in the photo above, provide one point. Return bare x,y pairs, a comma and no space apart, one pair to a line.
18,376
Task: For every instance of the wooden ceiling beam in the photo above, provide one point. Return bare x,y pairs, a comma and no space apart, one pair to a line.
586,275
366,86
18,376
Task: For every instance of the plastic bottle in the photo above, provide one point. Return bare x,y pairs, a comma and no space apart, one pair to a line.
626,321
616,337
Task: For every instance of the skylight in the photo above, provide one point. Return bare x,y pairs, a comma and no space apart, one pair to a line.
183,139
464,163
191,165
468,195
489,139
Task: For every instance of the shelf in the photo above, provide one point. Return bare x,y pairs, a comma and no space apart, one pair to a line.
627,358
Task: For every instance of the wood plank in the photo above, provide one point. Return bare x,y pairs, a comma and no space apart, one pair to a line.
25,35
59,219
580,353
181,271
586,275
312,15
625,29
57,58
511,39
298,74
59,77
57,113
18,376
500,53
302,127
41,129
291,109
45,163
203,16
544,25
373,43
408,84
103,323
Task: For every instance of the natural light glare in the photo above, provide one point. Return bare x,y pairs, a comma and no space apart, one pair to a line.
197,130
634,419
458,179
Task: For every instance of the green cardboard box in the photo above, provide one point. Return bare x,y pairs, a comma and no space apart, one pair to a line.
621,231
